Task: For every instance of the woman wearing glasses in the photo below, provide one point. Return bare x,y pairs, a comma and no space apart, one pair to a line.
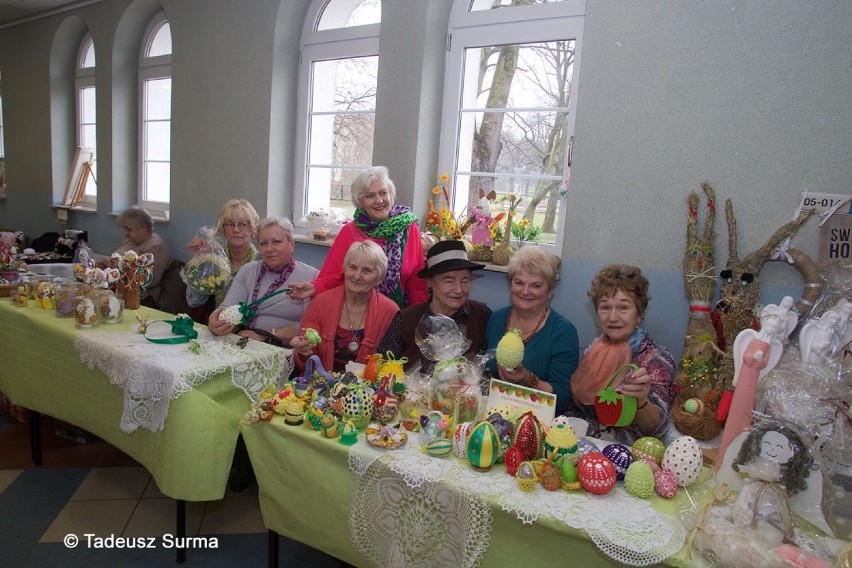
237,223
262,285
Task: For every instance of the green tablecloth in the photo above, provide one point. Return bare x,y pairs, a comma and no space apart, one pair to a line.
306,492
190,458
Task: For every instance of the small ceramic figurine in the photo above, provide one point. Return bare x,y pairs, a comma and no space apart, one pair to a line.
819,339
785,312
844,330
755,354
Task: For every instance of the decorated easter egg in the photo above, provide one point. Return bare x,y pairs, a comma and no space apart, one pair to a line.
665,483
460,436
561,419
526,476
357,407
569,471
639,480
438,447
483,446
693,406
505,410
584,446
385,412
561,443
655,467
683,458
313,336
648,447
513,458
596,473
349,434
620,457
529,436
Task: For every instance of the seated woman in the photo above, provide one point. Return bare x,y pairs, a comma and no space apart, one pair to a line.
352,318
393,227
551,347
277,316
620,297
237,222
448,275
140,237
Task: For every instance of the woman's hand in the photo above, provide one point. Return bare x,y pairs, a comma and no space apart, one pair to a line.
302,346
517,375
195,245
252,335
302,290
218,326
637,384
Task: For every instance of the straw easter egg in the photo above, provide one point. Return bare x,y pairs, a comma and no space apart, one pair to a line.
483,446
596,473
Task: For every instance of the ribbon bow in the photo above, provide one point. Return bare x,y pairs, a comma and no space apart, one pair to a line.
782,253
182,327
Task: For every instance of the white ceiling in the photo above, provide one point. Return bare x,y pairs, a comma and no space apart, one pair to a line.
16,11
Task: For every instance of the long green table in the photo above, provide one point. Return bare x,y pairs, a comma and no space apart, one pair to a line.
190,458
306,494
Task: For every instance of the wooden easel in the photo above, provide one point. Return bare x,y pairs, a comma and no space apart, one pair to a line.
82,182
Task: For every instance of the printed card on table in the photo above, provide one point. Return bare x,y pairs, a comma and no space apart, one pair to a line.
542,404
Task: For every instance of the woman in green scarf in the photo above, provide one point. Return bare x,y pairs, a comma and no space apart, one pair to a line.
393,227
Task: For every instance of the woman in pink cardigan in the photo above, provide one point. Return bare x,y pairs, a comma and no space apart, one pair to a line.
351,319
393,227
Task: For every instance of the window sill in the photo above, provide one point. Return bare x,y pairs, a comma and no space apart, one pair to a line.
81,208
158,216
308,239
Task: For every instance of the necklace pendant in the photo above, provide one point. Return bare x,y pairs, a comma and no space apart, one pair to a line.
353,346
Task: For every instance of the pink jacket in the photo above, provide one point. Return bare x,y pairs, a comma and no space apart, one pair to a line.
323,315
413,260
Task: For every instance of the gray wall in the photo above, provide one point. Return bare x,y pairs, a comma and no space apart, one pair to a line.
753,96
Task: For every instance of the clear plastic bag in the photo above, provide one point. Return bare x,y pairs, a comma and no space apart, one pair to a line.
209,270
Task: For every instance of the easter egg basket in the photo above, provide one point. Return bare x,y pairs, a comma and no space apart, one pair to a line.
385,437
612,407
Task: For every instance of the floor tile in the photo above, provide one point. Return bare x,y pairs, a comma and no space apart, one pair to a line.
113,483
156,517
7,476
101,518
232,515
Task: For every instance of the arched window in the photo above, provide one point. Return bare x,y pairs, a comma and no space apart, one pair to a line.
337,102
2,147
508,117
155,84
84,86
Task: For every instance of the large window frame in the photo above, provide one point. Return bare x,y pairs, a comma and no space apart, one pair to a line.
86,119
155,72
470,29
322,43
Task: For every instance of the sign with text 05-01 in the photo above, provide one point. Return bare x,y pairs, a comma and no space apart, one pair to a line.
824,201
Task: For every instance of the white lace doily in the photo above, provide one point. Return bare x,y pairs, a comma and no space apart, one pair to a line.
624,527
404,520
151,374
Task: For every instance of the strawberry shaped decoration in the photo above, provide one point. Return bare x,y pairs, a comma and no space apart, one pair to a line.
612,407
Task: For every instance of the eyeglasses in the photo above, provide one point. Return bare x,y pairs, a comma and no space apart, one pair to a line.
242,225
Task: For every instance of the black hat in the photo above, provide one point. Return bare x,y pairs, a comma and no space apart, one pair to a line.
445,256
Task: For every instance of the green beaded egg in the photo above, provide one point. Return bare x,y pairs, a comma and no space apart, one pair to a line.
639,480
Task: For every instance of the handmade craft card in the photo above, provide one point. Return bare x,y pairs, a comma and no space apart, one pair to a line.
542,404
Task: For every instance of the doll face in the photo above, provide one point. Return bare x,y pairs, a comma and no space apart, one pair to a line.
776,447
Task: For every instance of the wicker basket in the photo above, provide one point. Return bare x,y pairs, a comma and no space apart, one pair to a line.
132,296
702,426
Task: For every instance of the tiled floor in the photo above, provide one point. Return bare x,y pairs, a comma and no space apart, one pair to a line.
95,489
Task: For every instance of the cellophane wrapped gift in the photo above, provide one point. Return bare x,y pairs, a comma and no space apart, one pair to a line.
208,272
415,401
455,387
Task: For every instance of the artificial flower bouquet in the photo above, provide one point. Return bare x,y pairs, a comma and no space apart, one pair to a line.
208,272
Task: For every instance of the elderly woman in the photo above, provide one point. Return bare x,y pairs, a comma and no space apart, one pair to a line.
393,227
448,274
237,223
620,297
140,237
262,283
551,348
351,318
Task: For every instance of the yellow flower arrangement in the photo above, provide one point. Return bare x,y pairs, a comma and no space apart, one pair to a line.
440,220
